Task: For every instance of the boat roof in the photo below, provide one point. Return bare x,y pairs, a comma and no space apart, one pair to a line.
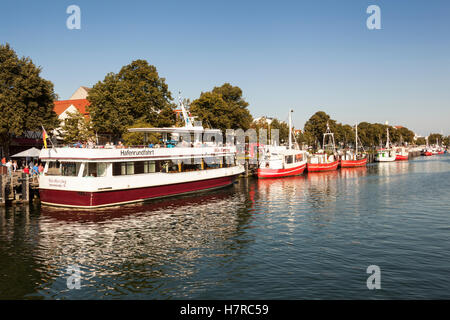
176,130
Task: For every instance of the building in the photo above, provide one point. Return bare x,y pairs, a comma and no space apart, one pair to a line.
77,103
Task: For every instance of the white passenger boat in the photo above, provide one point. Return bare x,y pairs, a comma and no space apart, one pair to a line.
97,177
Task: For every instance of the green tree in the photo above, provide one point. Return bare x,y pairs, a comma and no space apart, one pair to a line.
281,126
76,128
136,92
222,108
26,99
421,141
138,138
316,126
433,138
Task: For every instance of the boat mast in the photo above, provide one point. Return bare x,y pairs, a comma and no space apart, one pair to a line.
387,136
356,139
290,128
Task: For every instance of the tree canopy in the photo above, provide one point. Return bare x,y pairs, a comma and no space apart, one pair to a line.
76,128
222,108
136,93
26,99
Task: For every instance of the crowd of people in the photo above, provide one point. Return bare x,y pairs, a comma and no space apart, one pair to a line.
33,168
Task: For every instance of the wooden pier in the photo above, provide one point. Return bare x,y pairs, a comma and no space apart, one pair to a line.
18,188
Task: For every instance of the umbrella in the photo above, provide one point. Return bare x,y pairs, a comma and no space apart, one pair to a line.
30,153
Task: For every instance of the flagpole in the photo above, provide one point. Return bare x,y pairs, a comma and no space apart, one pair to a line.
53,146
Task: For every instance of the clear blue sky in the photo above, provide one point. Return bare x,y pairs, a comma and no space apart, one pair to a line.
305,55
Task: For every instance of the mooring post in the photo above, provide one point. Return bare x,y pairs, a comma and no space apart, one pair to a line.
25,187
11,188
3,187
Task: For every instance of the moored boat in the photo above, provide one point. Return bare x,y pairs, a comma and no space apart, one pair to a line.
322,161
282,162
352,159
99,177
386,154
401,154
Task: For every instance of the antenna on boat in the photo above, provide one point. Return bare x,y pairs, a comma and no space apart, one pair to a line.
326,134
290,128
387,135
187,119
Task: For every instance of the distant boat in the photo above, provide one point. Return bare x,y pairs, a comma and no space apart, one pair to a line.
386,154
401,154
354,159
321,161
279,163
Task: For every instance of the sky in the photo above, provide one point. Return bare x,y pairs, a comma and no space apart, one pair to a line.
305,55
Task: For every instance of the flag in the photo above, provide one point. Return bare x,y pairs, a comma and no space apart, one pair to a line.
44,137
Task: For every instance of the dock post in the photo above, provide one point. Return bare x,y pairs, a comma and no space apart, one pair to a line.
25,188
3,189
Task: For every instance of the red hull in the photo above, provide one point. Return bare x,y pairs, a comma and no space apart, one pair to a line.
428,154
353,163
321,167
400,157
280,173
115,197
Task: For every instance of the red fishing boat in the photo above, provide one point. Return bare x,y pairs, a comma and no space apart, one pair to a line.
353,163
401,154
321,161
353,159
281,162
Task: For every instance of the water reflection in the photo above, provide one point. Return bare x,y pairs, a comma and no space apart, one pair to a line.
162,239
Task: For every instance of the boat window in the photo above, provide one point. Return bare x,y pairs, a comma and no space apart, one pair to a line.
94,169
54,168
289,159
149,166
70,169
298,157
127,168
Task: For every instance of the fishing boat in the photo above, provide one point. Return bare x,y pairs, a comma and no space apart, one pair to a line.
386,154
322,161
353,159
278,163
401,153
100,176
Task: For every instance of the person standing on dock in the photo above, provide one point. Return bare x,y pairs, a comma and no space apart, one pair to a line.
9,166
35,170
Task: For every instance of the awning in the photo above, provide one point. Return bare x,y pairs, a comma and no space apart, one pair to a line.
30,153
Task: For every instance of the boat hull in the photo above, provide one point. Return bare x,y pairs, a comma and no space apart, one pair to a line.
400,157
280,173
98,199
322,167
353,163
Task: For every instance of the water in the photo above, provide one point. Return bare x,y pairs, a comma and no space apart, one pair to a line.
306,237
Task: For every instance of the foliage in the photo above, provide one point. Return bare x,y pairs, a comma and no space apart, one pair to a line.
316,126
76,128
281,126
421,141
26,99
136,92
435,137
222,108
137,138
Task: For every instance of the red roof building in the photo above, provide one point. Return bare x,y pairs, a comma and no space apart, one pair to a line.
64,106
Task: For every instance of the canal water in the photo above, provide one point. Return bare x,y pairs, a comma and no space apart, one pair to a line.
305,237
